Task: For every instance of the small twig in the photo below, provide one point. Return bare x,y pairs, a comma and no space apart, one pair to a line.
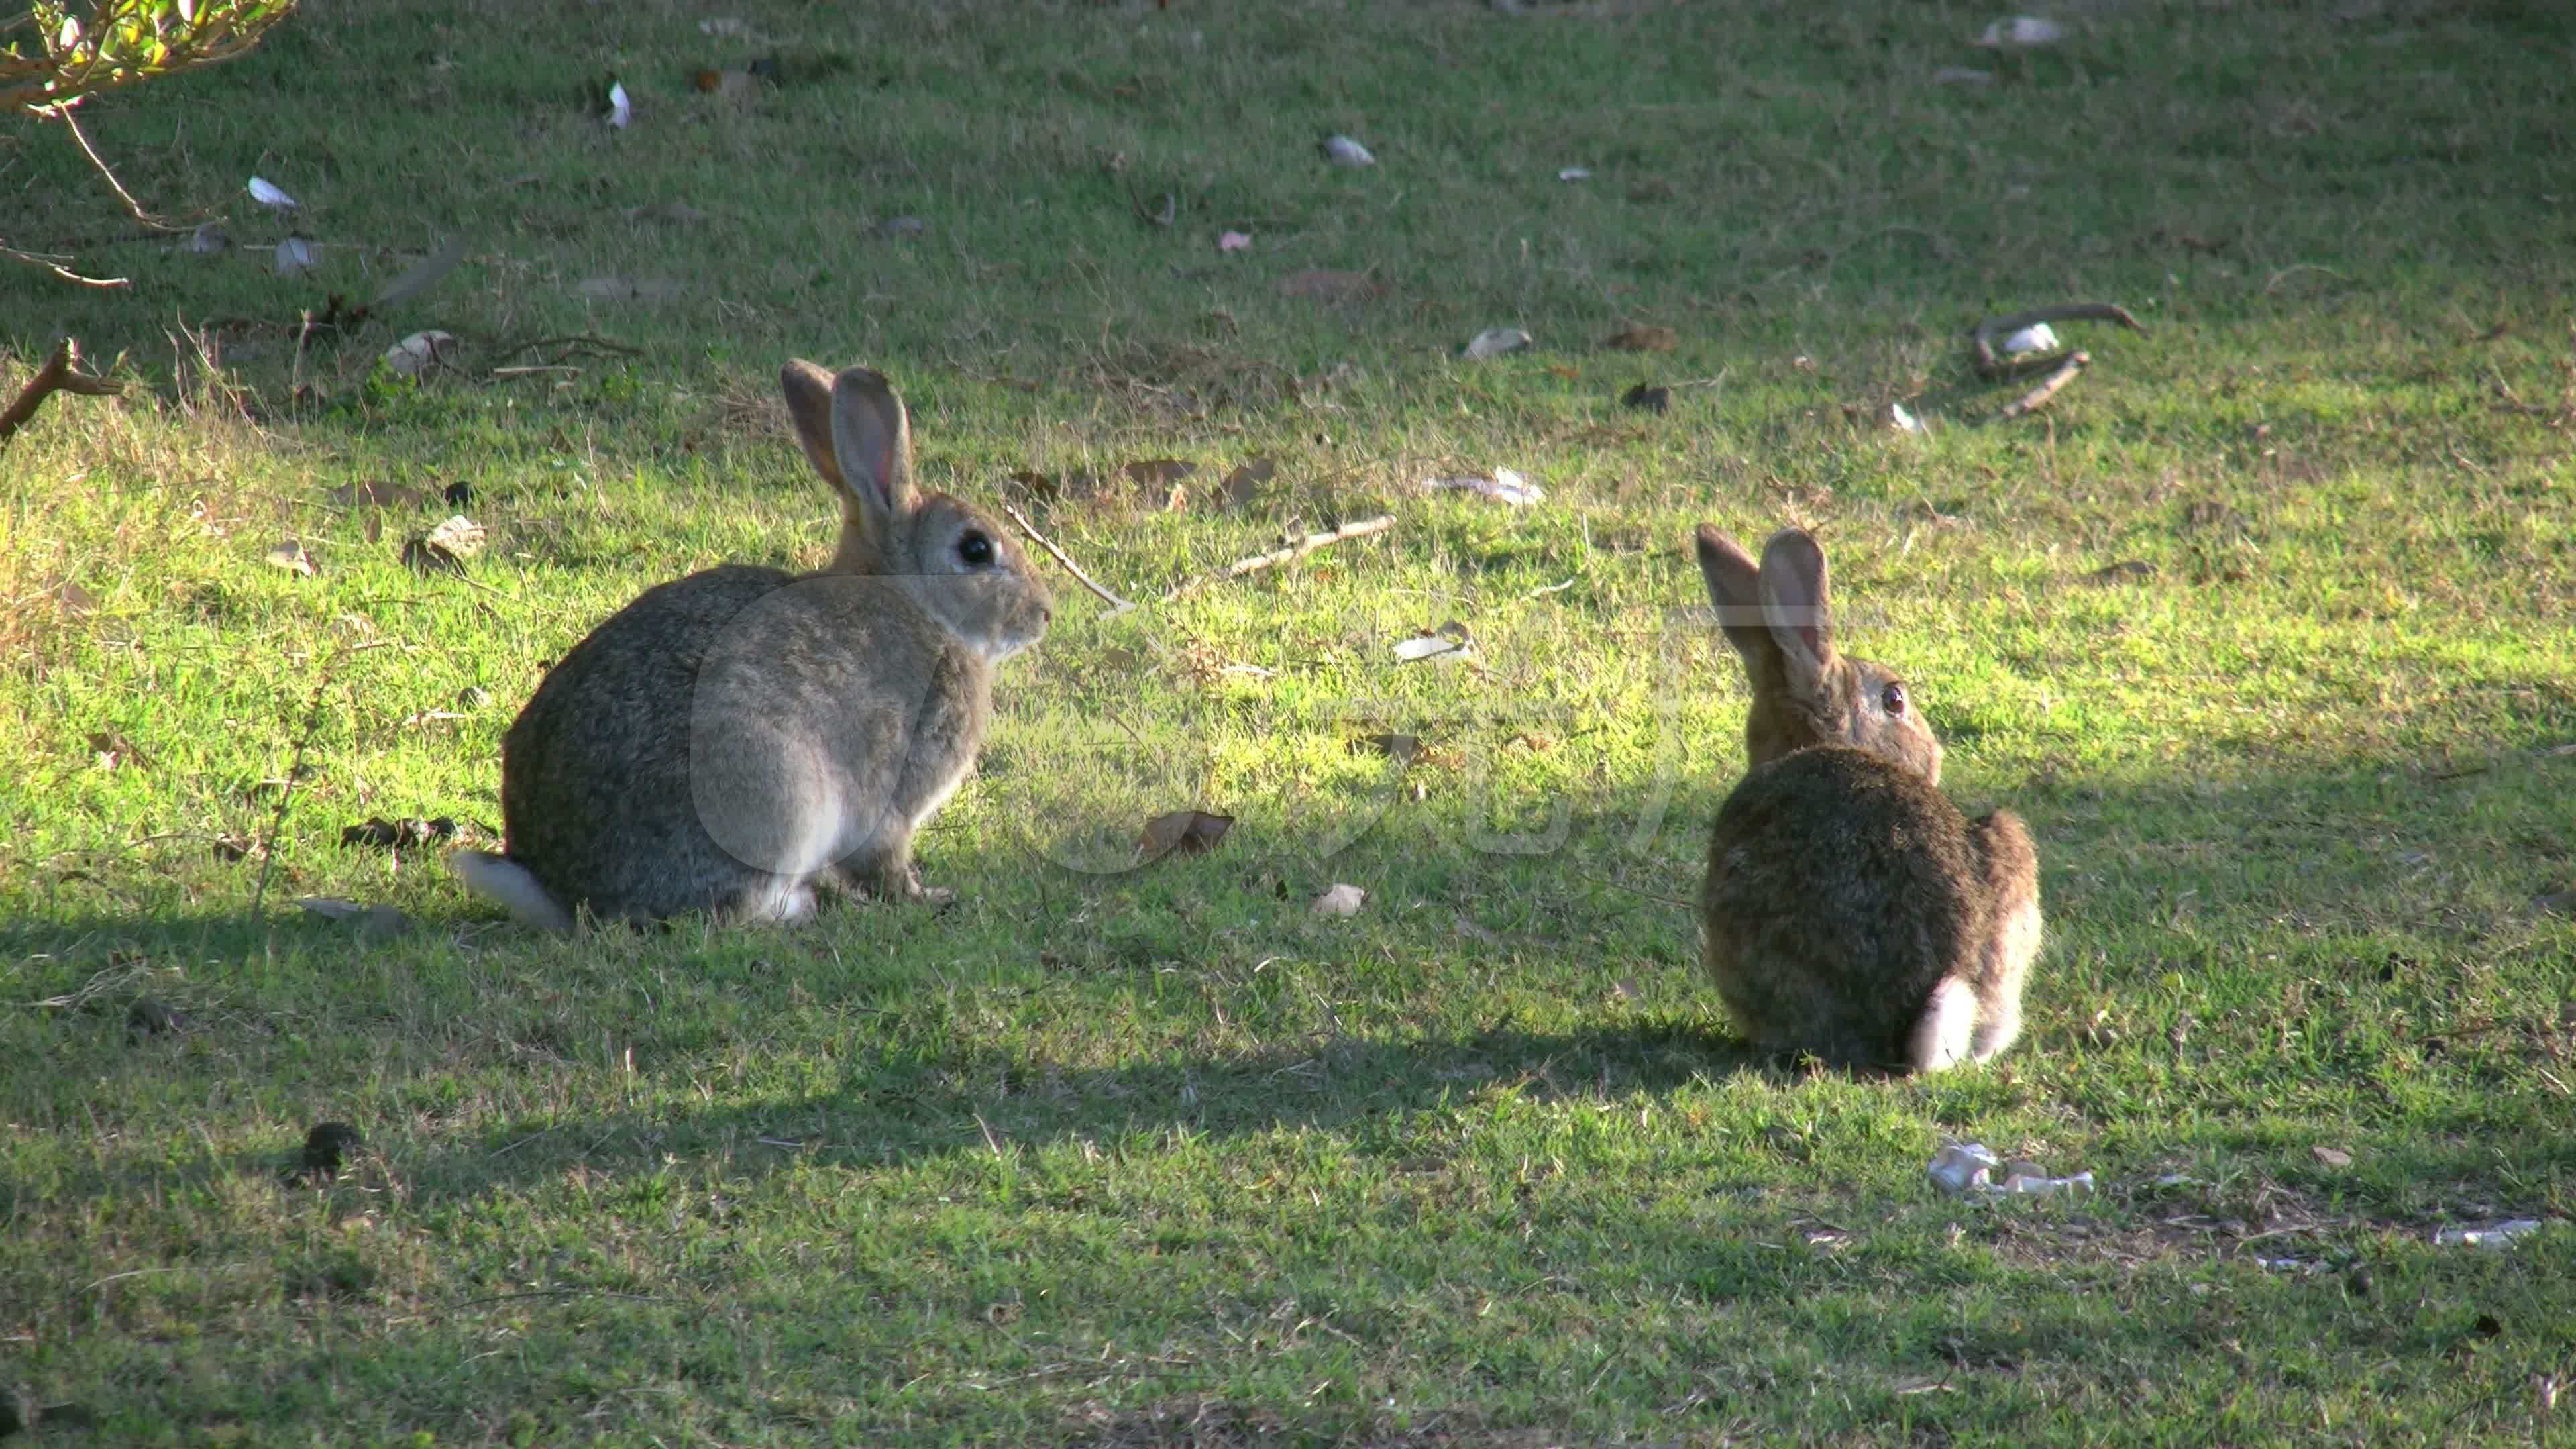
2037,398
133,206
1297,550
1983,336
61,373
1116,604
59,270
585,339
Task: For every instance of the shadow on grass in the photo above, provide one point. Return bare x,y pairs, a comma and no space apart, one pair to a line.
2310,887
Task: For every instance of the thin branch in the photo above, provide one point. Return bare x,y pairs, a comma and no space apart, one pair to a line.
133,206
2037,398
1116,604
59,270
61,373
1984,335
1297,550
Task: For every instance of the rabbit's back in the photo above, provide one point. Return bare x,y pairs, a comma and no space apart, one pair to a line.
601,753
1841,890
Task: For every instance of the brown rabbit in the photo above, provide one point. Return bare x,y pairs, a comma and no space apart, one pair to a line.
1851,913
734,739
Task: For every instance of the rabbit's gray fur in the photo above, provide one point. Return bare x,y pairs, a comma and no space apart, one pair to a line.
1850,912
734,739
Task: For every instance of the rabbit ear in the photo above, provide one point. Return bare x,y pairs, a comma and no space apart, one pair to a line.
809,405
872,447
1794,603
1735,591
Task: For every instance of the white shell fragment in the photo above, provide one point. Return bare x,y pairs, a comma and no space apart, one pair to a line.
268,194
1341,900
1971,1167
2038,337
1494,342
1432,646
2499,1236
1343,151
1575,173
621,110
410,356
1961,1166
1505,487
2021,30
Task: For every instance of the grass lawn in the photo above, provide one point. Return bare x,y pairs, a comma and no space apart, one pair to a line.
2267,625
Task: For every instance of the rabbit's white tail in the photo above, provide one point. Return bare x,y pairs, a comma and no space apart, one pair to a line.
505,880
1942,1035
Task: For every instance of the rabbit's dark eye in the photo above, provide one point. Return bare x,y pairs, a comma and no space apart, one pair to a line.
975,549
1892,699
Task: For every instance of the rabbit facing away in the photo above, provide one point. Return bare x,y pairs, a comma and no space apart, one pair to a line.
735,739
1850,911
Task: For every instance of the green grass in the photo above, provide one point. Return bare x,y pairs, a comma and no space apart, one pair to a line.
1125,1156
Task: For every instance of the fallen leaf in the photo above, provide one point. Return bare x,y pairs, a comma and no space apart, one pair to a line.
1449,643
378,833
294,254
2036,338
621,110
1342,900
1398,747
291,556
706,78
1648,399
1643,337
113,750
1159,472
2020,31
1247,476
150,1017
1189,832
1901,420
71,598
1329,286
1505,486
424,557
1494,342
1343,151
412,355
269,194
1232,241
2332,1156
1536,744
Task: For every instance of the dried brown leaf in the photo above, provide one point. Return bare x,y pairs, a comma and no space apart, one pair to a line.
1190,832
1642,337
